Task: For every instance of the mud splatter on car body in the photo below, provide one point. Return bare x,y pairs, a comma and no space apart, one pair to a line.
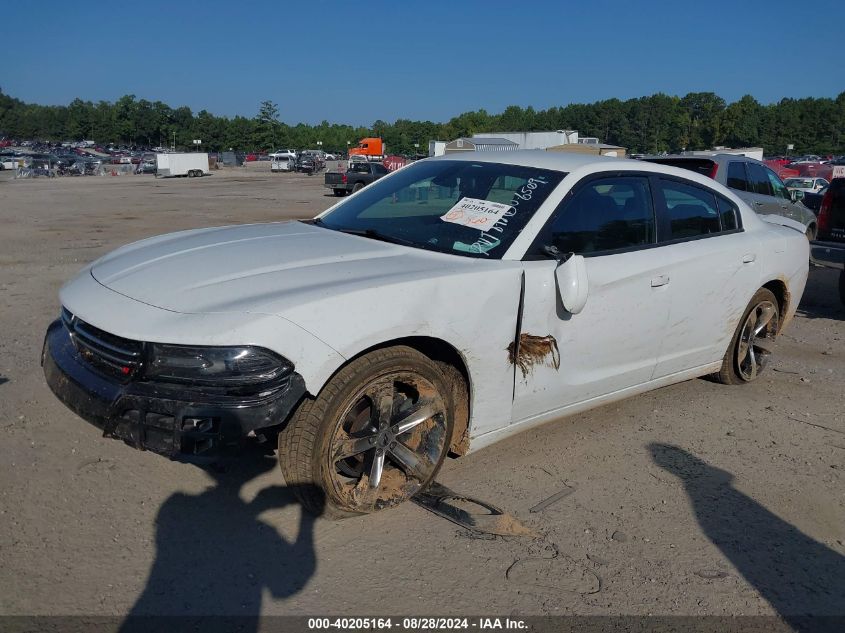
529,350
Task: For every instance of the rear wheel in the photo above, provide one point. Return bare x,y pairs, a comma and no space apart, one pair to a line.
358,186
376,435
339,192
746,357
190,173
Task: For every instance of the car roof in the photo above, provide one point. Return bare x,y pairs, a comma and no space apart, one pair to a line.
713,157
559,161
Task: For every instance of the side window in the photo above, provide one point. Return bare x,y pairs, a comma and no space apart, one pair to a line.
606,214
736,176
691,210
777,186
758,179
728,212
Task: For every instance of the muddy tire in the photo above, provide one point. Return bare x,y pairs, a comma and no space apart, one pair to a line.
357,187
376,434
745,358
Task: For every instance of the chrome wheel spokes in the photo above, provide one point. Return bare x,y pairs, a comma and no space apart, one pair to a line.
759,325
389,442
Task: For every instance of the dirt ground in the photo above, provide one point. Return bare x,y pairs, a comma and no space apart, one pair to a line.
693,499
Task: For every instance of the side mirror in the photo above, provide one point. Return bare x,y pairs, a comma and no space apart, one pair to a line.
796,195
572,285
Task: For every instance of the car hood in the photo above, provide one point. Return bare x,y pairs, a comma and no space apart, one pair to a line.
261,268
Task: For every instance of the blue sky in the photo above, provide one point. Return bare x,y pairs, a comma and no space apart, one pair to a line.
356,62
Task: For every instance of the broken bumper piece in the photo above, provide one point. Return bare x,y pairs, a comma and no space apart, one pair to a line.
168,420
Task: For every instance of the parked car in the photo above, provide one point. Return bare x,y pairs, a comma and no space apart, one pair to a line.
10,162
807,185
830,249
752,181
813,201
447,306
282,162
356,177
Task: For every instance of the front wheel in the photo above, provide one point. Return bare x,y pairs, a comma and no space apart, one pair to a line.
375,436
811,232
746,357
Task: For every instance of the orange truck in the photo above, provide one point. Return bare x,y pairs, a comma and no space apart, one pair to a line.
369,148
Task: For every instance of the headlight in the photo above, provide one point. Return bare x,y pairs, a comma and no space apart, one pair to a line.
216,365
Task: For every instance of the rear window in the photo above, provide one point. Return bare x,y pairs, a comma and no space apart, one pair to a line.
703,166
692,211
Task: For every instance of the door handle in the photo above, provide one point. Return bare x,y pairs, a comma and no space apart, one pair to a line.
660,280
748,258
758,203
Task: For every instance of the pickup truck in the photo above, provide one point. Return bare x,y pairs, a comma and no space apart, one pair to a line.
829,250
355,178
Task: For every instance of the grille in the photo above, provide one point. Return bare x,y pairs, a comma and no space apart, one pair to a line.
110,354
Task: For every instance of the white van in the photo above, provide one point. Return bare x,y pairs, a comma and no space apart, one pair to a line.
282,162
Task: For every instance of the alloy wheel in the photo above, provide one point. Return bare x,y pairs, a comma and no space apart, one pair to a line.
760,324
388,442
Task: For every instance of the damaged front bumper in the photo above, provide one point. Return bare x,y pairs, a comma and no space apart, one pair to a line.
165,419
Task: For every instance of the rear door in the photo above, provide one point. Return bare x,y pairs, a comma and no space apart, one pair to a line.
762,193
712,269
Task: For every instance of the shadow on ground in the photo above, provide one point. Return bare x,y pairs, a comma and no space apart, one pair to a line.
214,556
796,574
821,295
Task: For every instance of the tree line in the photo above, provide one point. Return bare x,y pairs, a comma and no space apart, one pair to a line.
658,123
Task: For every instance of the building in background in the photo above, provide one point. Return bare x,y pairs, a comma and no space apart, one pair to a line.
480,144
596,149
535,140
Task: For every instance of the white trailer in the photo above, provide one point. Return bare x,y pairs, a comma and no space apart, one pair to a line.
188,164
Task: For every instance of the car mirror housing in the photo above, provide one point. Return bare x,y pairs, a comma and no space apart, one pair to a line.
572,285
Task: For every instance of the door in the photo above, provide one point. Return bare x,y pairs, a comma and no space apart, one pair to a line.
713,271
612,344
763,196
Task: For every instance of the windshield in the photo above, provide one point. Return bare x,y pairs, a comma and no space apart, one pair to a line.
469,208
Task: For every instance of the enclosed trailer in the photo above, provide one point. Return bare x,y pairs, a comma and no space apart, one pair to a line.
188,164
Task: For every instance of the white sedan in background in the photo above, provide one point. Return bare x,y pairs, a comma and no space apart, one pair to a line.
806,184
446,306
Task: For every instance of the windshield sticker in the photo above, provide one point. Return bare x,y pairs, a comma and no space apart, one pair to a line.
475,213
486,241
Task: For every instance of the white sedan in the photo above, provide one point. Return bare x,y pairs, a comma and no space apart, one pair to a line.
448,305
806,184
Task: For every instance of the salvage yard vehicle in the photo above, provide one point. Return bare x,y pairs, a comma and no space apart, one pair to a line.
282,162
190,164
807,185
829,251
357,176
753,181
451,304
